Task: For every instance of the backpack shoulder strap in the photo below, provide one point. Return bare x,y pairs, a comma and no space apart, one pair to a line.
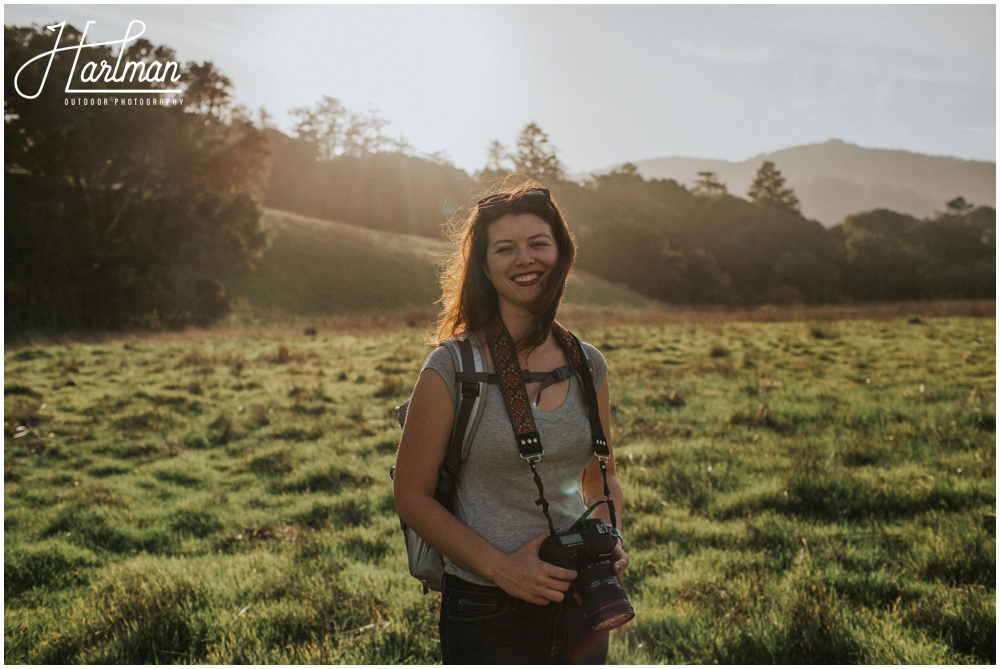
585,368
470,382
586,358
470,378
575,349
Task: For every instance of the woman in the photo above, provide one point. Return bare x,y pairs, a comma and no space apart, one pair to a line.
502,604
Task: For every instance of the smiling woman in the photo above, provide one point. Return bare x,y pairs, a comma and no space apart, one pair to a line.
524,228
503,602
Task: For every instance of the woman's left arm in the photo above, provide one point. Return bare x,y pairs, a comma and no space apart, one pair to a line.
593,483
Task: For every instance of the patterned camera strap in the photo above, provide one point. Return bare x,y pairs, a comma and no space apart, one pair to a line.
515,396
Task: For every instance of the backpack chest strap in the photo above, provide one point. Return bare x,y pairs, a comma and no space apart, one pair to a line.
550,378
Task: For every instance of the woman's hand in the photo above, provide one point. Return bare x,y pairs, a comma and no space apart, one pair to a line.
526,576
620,558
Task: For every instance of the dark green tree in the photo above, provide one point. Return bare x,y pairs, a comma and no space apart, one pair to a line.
118,211
385,190
959,251
768,188
208,92
880,262
335,131
709,185
499,164
959,206
628,169
626,172
535,156
324,126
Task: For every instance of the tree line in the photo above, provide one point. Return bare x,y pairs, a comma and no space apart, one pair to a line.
701,245
126,215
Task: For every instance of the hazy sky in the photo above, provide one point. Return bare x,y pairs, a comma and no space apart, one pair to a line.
607,83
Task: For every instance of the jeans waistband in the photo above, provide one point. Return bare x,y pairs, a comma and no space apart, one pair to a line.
455,584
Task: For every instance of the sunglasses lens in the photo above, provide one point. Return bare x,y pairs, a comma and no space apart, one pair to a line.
535,198
492,205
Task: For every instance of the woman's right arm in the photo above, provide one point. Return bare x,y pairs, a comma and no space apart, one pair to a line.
421,452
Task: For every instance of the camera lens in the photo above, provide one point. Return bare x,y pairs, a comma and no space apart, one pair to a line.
604,600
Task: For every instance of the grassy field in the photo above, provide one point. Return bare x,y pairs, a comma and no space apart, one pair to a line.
810,491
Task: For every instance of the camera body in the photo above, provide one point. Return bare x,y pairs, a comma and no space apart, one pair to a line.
588,547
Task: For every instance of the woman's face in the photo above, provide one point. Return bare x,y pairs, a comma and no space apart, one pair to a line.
520,253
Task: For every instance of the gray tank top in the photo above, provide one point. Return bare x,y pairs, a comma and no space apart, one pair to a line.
495,490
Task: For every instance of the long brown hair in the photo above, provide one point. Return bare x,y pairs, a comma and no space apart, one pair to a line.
469,300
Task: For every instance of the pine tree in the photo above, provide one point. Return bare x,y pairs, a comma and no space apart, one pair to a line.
536,157
709,185
768,188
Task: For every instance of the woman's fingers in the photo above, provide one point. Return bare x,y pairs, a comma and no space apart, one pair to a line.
526,576
621,559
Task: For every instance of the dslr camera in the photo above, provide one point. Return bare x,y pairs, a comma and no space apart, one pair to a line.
588,547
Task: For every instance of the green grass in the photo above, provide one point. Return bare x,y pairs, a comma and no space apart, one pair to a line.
796,492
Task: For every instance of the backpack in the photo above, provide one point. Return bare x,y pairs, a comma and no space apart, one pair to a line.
426,564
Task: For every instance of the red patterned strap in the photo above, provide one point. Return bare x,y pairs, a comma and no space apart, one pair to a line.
570,345
511,380
515,396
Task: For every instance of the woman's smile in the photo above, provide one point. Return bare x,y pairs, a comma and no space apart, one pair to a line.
527,279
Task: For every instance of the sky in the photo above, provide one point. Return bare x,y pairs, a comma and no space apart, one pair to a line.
608,83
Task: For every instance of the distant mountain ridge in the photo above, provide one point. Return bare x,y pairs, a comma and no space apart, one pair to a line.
835,179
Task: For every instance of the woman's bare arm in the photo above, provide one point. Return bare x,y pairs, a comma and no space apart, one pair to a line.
421,452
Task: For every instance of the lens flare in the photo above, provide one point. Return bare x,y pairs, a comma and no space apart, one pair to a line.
570,486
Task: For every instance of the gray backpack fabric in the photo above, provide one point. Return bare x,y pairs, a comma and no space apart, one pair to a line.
425,563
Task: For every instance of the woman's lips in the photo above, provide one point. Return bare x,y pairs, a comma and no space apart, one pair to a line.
527,279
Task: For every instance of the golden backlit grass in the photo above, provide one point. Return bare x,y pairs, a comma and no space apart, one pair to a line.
812,489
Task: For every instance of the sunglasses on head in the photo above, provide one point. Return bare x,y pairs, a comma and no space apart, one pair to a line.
498,203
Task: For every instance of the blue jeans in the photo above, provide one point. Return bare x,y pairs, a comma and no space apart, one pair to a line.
484,625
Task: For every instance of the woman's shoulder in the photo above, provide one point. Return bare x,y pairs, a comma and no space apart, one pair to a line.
443,360
597,362
446,351
592,351
440,359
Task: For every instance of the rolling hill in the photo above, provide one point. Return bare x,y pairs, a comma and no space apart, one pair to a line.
835,178
316,268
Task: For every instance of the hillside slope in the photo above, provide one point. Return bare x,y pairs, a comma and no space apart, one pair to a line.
835,178
314,268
